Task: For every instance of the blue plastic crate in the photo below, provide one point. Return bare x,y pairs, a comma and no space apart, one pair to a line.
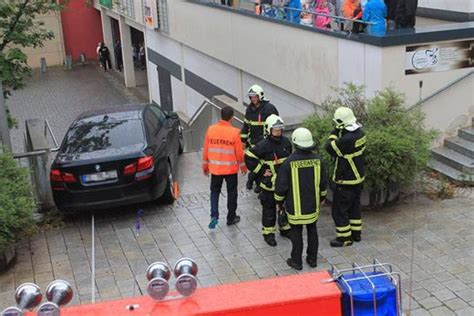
363,297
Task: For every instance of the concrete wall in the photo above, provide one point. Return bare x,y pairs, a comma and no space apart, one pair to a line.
53,50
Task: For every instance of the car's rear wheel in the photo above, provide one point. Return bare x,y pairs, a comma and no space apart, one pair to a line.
168,196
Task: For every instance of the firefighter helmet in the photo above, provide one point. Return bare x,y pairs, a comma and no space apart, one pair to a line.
344,117
302,138
273,121
256,90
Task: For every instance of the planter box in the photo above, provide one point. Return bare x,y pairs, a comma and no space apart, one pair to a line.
6,257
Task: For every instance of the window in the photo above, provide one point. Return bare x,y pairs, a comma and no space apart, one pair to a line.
103,133
152,122
159,113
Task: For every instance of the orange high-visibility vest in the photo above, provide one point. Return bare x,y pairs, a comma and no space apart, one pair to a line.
222,152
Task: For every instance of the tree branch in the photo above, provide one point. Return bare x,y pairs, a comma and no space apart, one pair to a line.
13,24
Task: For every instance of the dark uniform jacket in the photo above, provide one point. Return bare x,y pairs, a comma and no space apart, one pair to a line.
301,184
268,154
348,149
253,130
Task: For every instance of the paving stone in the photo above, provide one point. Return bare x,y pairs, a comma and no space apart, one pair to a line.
430,302
441,311
444,295
467,295
456,304
455,285
469,311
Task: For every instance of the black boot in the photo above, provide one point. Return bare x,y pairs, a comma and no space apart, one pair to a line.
340,243
270,239
285,233
235,221
249,184
312,262
294,265
356,236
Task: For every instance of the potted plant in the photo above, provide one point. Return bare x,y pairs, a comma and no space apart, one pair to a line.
397,144
16,207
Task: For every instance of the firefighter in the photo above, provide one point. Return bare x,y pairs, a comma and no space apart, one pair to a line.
301,186
263,160
254,129
347,144
222,157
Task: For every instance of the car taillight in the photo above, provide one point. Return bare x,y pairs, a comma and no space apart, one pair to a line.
58,176
130,169
145,163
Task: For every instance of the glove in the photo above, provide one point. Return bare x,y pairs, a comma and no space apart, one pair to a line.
282,217
205,169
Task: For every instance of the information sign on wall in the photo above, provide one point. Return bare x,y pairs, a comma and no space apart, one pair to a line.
106,3
439,57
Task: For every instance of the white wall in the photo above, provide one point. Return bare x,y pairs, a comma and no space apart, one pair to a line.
450,5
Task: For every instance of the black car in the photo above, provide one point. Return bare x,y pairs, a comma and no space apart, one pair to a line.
117,156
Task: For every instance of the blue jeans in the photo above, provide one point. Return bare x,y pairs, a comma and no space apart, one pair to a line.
216,185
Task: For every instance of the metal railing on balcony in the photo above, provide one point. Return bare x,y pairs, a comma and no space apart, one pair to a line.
335,23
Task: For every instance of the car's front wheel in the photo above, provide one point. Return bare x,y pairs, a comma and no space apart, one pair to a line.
168,196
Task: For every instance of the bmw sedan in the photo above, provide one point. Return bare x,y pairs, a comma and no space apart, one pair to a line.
117,156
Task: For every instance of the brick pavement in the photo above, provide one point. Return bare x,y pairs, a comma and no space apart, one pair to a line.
442,282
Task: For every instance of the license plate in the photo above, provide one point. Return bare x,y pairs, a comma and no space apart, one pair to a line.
100,176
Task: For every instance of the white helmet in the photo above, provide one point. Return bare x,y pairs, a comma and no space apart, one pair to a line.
344,117
273,121
256,90
302,138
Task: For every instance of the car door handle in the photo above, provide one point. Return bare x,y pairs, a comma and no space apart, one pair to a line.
163,139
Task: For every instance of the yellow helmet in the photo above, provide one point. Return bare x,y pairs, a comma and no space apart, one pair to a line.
344,117
256,90
273,121
302,138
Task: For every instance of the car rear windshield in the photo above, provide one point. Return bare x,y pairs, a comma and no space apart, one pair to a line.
103,133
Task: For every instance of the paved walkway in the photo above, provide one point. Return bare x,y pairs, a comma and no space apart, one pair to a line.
436,236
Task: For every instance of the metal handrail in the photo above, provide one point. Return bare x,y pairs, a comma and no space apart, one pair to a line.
336,17
40,152
201,108
441,90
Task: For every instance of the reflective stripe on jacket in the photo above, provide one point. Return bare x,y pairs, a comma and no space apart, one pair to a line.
253,129
301,184
222,149
348,149
268,154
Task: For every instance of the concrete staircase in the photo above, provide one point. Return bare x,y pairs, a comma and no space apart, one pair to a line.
456,158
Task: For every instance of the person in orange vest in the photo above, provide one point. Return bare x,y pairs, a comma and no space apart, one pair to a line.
223,156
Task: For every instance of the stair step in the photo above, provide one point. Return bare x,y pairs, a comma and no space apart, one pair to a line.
467,133
461,145
450,172
454,159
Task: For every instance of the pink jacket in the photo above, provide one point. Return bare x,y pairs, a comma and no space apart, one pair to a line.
321,22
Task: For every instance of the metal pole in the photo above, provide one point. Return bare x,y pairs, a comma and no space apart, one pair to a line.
93,260
4,130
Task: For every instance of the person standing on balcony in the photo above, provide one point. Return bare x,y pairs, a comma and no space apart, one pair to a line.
222,157
322,21
293,11
351,9
254,128
375,13
346,144
405,14
391,10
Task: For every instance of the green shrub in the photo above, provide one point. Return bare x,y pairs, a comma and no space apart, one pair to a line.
16,201
397,145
